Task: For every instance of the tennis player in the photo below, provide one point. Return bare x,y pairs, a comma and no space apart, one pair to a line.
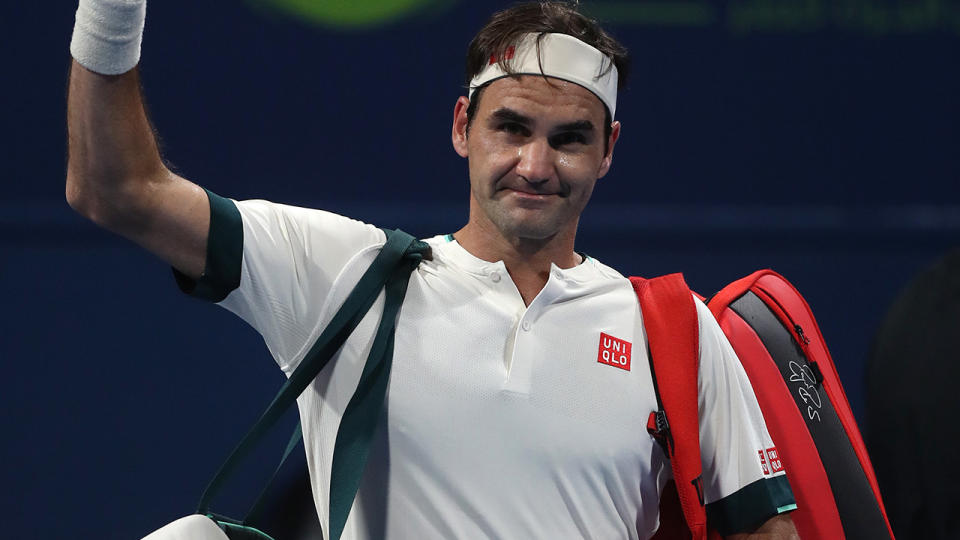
520,386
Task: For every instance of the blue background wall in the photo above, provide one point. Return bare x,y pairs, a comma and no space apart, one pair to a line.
817,138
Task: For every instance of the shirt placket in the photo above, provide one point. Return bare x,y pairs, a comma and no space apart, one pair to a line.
528,339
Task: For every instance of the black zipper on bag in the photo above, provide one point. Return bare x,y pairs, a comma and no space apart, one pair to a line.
801,340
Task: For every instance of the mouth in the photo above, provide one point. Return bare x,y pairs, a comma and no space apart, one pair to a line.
526,199
531,195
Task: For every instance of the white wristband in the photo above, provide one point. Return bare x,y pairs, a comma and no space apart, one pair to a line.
107,35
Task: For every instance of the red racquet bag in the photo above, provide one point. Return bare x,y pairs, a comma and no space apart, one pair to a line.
779,344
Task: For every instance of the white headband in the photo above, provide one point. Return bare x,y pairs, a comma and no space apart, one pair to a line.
561,56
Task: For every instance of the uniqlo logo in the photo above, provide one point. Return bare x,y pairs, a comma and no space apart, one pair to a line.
774,458
614,352
763,462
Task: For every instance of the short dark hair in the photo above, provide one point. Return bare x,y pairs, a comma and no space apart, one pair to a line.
505,28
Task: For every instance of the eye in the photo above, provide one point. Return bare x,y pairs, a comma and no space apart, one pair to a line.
568,137
514,128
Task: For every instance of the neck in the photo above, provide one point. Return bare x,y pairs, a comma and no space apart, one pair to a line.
527,260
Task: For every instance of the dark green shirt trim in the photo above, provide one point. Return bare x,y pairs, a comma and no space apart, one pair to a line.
221,275
751,506
242,532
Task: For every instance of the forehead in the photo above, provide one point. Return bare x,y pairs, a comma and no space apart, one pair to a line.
543,97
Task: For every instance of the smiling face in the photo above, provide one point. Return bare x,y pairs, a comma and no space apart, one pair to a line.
535,149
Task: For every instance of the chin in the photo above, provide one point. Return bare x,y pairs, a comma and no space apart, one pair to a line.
526,223
529,230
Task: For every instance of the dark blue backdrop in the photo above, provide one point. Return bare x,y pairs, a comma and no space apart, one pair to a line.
817,138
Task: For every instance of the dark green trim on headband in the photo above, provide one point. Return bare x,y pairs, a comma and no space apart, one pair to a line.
221,274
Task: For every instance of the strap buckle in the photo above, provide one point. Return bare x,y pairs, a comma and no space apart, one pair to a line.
659,428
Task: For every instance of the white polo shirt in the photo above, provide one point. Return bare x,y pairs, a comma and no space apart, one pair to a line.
502,420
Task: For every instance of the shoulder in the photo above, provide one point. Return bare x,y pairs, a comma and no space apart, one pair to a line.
602,271
293,220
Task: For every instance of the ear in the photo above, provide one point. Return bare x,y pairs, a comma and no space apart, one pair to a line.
608,159
459,134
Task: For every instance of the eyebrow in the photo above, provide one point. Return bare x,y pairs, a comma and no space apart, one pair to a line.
505,114
579,125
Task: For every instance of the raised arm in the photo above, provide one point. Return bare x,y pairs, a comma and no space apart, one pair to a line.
115,176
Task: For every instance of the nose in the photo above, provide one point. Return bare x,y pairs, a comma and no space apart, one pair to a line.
536,161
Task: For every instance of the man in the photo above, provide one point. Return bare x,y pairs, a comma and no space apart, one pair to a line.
500,422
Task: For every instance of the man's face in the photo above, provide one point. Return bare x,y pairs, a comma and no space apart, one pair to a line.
535,150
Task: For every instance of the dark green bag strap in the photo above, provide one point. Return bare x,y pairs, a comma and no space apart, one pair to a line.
399,256
360,418
253,516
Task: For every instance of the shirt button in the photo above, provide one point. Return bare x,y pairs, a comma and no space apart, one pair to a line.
495,277
525,325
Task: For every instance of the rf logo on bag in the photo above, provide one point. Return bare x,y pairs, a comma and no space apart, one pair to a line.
614,352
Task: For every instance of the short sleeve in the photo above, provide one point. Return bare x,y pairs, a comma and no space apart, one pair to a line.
221,274
744,482
274,265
